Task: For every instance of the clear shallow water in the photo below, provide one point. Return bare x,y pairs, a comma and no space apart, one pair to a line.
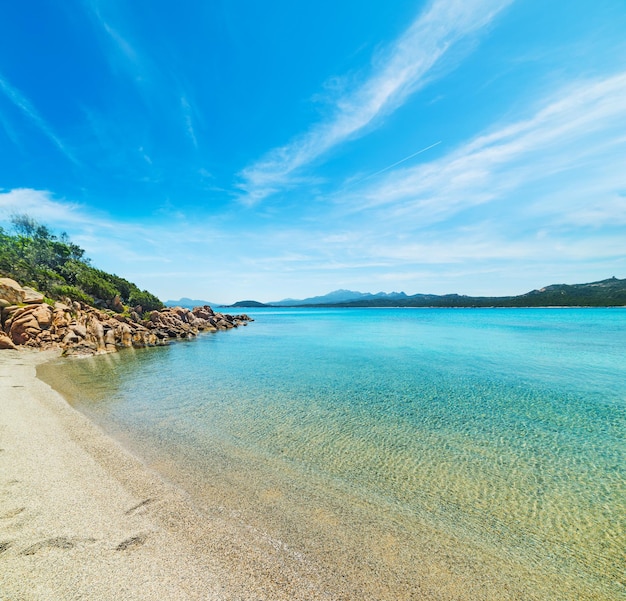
406,452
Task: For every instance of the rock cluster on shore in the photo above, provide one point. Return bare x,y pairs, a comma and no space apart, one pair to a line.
28,319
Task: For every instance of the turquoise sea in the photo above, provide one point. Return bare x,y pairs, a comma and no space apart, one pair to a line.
403,453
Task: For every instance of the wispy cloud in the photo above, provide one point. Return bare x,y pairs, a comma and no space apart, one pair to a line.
44,206
163,256
405,67
547,190
121,52
576,137
97,228
608,212
25,106
155,80
187,113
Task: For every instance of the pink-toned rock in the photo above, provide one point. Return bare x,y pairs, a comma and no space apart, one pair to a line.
6,342
70,338
10,314
124,335
83,347
7,313
31,296
203,312
61,319
24,328
116,304
44,338
11,291
43,314
59,306
79,329
95,332
183,314
27,323
109,340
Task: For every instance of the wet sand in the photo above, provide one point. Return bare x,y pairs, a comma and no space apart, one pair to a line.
81,518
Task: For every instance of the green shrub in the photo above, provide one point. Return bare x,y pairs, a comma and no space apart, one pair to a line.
148,301
35,257
73,293
93,283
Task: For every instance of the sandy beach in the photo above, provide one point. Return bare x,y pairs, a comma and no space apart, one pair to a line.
81,518
77,514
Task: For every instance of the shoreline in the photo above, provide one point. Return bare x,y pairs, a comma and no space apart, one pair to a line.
81,517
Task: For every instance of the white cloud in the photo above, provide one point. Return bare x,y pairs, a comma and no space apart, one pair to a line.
97,224
113,240
575,141
494,247
554,183
399,72
40,205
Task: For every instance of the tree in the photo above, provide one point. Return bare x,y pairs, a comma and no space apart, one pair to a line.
34,256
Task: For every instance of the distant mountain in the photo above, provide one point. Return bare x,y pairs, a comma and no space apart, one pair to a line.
339,296
188,303
604,293
610,293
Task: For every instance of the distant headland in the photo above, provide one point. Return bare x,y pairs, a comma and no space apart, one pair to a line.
604,293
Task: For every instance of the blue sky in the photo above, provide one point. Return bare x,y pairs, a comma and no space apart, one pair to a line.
228,150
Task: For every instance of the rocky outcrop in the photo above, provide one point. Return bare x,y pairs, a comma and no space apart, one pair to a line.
32,297
11,291
78,329
6,342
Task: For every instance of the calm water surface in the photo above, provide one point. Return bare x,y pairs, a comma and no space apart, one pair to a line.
437,453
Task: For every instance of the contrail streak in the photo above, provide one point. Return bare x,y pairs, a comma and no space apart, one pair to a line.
396,163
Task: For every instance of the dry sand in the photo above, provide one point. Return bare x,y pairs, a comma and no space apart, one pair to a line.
81,518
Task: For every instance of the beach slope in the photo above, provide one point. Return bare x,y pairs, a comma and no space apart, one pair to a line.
79,517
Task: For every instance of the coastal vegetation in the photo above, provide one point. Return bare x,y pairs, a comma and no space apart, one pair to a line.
604,293
51,297
34,256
